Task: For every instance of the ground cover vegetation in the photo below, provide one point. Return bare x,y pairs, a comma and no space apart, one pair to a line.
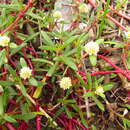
64,64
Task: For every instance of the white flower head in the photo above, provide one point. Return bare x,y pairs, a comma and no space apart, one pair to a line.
83,8
99,90
92,48
4,41
127,34
65,83
25,72
57,15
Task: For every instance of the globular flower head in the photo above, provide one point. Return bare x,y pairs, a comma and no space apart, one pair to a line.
92,48
65,83
57,15
4,41
83,8
25,72
99,90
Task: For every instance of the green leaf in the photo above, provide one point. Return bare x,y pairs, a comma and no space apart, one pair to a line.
128,106
23,62
49,48
126,123
99,104
93,59
33,82
108,86
3,58
69,114
47,39
23,89
69,41
75,107
89,78
100,41
83,120
31,37
89,94
67,101
68,61
13,45
61,110
38,92
16,78
9,118
94,127
1,105
27,116
52,70
12,7
15,50
82,81
6,83
13,73
35,16
42,60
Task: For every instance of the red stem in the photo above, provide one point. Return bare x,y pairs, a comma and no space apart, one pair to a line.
10,126
20,15
92,2
123,72
38,118
101,72
117,23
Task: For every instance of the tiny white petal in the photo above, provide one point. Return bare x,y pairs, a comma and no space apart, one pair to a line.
65,83
92,48
4,41
25,72
57,14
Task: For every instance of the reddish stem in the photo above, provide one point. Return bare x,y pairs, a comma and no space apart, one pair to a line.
101,72
117,23
123,72
93,3
10,126
38,118
20,15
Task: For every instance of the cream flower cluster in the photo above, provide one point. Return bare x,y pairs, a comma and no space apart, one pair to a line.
99,90
25,72
65,83
92,48
4,41
83,8
57,15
